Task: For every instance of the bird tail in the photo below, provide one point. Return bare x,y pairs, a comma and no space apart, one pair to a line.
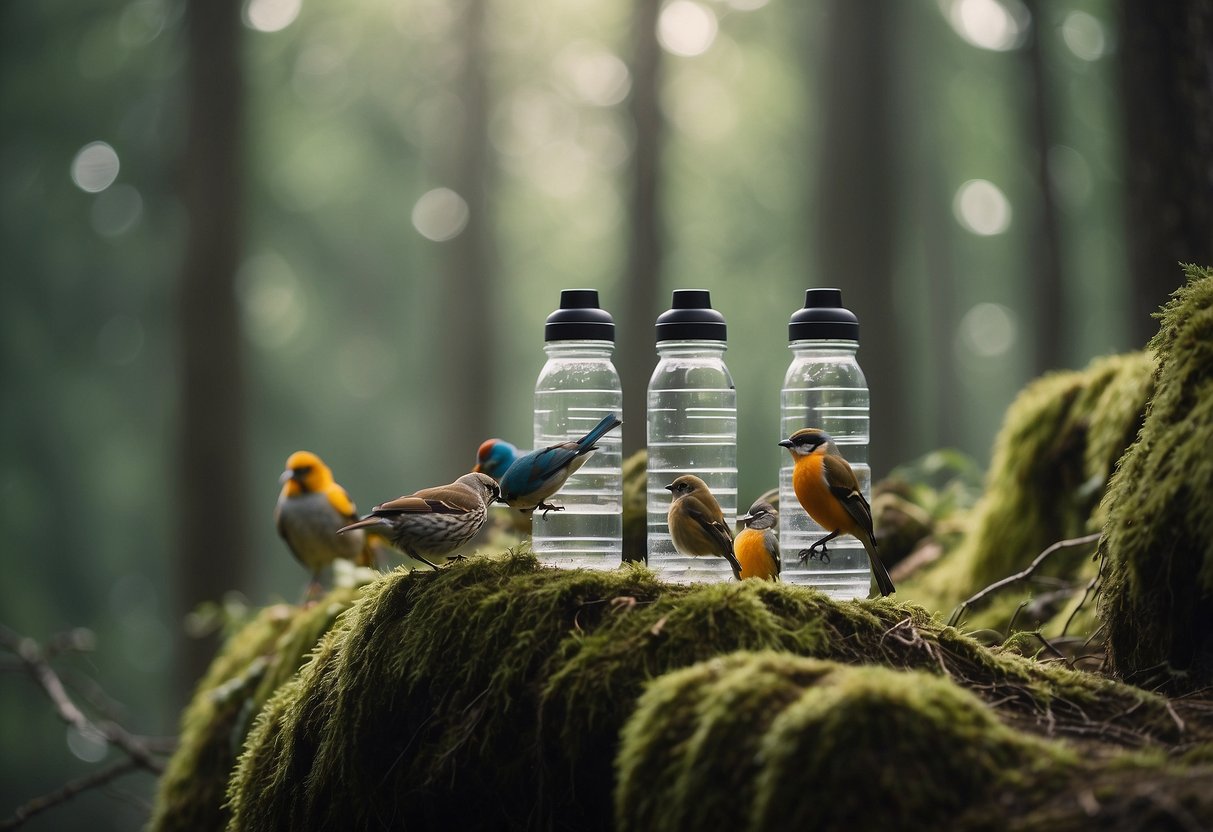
883,582
609,422
372,522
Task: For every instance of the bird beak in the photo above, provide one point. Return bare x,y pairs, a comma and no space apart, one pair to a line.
786,443
670,488
286,476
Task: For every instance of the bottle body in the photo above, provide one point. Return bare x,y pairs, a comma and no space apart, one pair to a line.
577,387
824,388
692,429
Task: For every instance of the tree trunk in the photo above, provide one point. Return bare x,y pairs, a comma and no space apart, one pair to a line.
468,326
642,282
854,242
213,553
1166,65
1047,296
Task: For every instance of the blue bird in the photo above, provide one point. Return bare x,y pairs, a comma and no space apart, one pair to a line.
495,458
540,474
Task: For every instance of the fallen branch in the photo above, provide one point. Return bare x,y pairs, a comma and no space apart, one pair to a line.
1021,576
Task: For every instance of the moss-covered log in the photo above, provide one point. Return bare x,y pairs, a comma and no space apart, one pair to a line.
253,663
1158,600
492,694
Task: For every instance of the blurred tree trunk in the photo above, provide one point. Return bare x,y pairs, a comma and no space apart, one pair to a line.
213,553
857,192
1166,67
642,282
1047,297
468,326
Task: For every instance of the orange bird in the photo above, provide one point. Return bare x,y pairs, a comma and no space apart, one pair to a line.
310,510
827,489
757,547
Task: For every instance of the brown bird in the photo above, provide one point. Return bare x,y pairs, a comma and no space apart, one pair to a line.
697,524
757,547
827,489
311,508
433,522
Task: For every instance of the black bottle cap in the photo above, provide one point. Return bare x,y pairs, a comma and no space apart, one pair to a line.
823,316
579,318
691,318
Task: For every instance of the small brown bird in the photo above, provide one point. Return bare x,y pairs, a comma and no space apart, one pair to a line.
697,524
311,508
827,489
433,522
757,547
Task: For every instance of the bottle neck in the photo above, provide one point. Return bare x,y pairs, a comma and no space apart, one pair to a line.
713,349
824,346
579,349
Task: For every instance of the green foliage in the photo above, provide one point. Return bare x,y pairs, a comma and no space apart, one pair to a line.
258,658
493,694
1158,545
1052,458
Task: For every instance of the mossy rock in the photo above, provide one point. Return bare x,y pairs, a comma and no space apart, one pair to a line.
1158,545
771,741
252,664
1052,457
492,694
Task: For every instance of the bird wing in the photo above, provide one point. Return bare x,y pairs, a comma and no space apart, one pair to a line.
771,541
341,502
414,504
714,529
842,484
545,463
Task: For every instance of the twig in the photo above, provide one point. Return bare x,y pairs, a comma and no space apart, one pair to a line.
34,659
69,790
1021,576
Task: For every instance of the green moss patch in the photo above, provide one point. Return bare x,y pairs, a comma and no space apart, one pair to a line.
492,694
1158,545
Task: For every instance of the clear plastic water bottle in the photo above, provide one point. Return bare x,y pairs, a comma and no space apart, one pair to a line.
692,428
824,388
576,388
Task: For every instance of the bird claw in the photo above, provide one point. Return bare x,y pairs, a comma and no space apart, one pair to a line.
456,558
547,507
811,553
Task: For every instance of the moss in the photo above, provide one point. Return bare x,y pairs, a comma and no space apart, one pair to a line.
1158,544
771,741
252,664
491,694
1053,455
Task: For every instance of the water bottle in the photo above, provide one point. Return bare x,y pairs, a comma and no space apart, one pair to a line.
692,428
576,388
824,388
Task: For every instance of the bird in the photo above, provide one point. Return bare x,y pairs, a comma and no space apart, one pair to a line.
696,522
827,489
495,457
432,522
757,547
540,474
311,508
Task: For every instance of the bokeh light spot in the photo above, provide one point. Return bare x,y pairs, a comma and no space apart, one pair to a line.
272,301
117,210
596,75
687,28
271,15
120,340
989,24
982,208
988,330
440,214
95,167
1084,35
88,745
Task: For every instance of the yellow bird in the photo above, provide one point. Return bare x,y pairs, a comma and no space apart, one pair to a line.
827,489
757,547
311,508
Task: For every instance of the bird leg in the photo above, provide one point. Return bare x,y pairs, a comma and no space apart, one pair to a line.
455,558
546,507
824,554
416,556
